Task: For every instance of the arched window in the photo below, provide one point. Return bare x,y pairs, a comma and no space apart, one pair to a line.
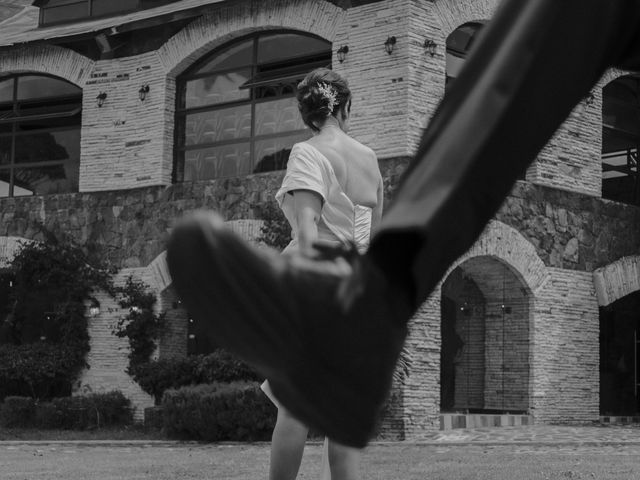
39,135
459,43
620,140
236,108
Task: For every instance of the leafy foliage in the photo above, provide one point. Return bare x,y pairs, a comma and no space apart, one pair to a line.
276,231
157,376
141,325
44,338
78,413
237,411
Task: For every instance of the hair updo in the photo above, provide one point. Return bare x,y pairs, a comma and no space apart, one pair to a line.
314,102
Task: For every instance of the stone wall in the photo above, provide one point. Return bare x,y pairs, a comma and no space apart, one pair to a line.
568,230
565,349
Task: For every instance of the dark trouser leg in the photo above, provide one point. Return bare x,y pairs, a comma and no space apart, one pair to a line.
534,62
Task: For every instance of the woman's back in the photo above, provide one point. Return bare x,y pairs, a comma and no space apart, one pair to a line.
354,164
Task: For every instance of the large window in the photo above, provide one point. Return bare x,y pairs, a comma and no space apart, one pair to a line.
236,108
620,140
63,11
39,135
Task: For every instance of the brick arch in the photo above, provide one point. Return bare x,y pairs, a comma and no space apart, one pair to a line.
612,74
227,22
52,60
453,13
617,280
509,246
158,271
9,246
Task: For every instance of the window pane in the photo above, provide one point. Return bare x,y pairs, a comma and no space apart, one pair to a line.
238,55
217,162
5,150
4,182
278,116
65,13
284,46
47,180
106,7
461,39
6,91
48,146
217,89
218,125
273,154
31,86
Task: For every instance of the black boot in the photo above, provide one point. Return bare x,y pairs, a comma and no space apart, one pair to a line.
326,332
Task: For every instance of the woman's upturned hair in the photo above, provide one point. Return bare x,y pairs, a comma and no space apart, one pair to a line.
322,93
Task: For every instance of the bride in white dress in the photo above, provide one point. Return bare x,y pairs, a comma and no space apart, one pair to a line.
332,193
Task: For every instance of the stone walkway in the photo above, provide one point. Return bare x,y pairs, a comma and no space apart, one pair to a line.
537,434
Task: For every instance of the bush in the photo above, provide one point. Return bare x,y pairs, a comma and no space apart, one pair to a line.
220,366
44,336
17,412
157,376
40,370
237,411
69,413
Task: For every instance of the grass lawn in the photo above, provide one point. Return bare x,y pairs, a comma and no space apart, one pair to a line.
396,461
122,433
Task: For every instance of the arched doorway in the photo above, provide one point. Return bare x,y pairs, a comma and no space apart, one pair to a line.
620,357
485,316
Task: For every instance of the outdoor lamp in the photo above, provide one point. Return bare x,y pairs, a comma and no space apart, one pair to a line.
102,96
430,46
142,93
389,44
94,308
342,53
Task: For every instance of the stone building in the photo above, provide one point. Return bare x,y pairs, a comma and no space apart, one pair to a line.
116,118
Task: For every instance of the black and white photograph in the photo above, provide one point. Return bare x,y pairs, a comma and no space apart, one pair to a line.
319,239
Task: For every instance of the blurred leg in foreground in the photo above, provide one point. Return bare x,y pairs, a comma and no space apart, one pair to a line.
327,332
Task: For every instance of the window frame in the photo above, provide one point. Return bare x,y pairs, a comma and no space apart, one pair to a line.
181,111
14,119
89,9
624,186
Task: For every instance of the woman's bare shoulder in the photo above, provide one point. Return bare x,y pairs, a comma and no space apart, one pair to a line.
363,150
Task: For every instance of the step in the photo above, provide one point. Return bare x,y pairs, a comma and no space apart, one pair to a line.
450,421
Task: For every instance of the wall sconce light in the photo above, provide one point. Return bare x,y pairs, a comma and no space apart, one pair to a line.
94,308
590,99
142,93
389,44
342,53
102,96
430,46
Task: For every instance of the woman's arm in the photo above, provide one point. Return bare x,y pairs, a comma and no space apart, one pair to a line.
307,206
376,215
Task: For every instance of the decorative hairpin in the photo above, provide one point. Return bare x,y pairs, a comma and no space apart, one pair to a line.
329,93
